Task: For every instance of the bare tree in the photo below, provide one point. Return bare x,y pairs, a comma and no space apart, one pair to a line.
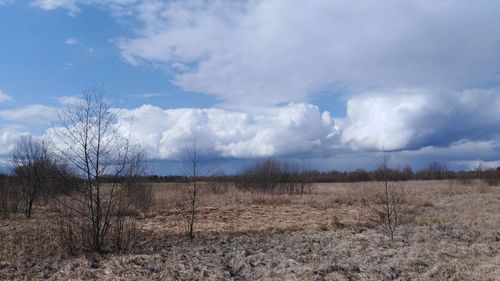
31,165
193,166
390,209
89,141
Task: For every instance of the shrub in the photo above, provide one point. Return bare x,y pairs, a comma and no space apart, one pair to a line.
491,177
272,176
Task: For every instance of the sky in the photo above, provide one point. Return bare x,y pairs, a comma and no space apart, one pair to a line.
326,83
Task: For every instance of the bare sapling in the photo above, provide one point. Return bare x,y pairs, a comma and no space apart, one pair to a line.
390,209
193,168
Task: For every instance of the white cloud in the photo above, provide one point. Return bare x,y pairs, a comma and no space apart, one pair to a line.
4,97
147,96
79,43
71,41
411,119
37,113
69,5
269,52
293,129
9,135
70,100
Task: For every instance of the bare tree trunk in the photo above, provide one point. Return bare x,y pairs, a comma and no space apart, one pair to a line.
193,210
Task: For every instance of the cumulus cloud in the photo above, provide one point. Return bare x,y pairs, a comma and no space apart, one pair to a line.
292,129
37,113
412,119
409,120
9,135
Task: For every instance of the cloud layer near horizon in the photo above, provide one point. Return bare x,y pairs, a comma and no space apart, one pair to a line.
460,127
375,121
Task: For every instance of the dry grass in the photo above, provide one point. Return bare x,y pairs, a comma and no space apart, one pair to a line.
323,235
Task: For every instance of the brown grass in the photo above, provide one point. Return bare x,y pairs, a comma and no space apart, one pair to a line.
323,235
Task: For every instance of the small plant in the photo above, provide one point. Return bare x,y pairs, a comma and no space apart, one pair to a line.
390,209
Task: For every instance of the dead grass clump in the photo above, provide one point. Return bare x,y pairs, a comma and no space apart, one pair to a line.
484,187
418,201
141,197
271,200
74,226
74,234
218,187
23,242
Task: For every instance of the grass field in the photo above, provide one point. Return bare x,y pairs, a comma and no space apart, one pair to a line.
326,234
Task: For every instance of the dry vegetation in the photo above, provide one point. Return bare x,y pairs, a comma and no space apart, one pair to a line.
328,233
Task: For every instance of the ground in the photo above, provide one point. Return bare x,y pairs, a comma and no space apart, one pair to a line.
326,234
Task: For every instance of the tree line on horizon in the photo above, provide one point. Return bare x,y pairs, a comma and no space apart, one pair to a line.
433,171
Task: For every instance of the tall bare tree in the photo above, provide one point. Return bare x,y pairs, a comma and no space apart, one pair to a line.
31,166
89,141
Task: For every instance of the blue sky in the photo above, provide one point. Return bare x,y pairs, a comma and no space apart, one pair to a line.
50,54
326,83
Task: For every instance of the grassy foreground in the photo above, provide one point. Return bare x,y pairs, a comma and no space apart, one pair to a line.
326,234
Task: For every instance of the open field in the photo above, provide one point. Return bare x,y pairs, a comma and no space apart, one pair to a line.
326,234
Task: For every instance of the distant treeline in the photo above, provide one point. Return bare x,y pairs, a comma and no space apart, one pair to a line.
434,171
